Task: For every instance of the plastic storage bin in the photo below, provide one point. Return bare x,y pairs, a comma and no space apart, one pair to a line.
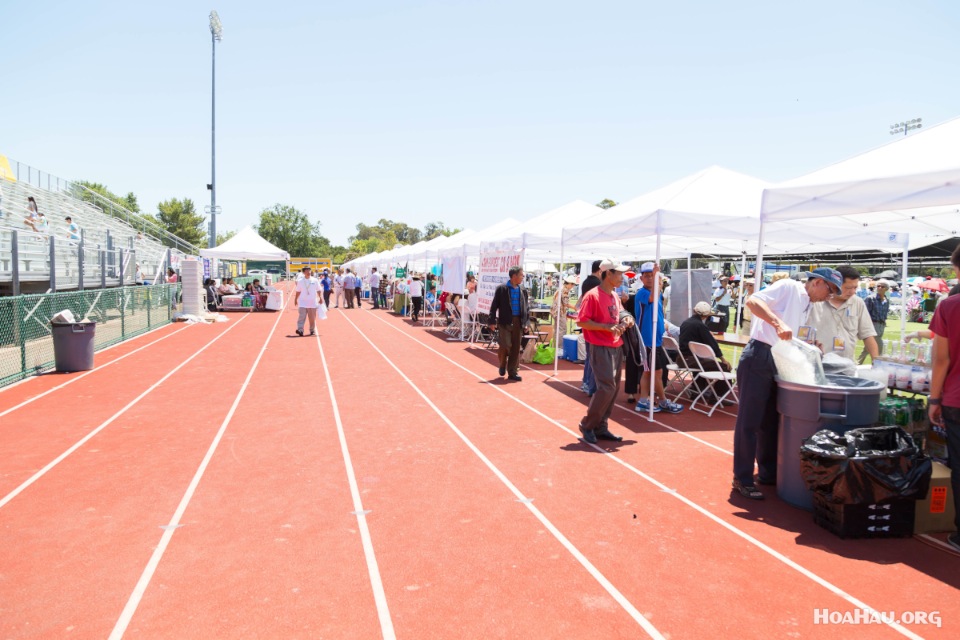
844,403
73,345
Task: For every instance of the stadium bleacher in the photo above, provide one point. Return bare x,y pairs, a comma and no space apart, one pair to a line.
115,240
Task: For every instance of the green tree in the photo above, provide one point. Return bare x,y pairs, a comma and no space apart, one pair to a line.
436,229
607,203
291,230
181,219
223,237
401,232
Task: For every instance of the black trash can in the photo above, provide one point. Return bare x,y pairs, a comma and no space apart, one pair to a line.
842,404
73,345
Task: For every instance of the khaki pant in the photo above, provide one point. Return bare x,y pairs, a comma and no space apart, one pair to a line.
307,313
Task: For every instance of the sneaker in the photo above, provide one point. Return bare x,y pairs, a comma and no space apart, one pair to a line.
643,406
672,407
300,332
954,541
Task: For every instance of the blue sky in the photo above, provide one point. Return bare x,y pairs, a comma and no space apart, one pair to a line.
464,112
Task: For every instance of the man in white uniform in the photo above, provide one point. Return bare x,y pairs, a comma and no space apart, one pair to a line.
306,301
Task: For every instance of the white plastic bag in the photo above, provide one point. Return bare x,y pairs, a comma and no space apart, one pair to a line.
798,362
835,363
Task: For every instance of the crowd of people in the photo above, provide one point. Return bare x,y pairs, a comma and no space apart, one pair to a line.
835,309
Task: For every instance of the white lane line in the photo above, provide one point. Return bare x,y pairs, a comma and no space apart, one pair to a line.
171,527
95,369
373,570
39,474
526,502
742,534
632,412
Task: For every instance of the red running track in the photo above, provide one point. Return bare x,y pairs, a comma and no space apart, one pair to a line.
377,481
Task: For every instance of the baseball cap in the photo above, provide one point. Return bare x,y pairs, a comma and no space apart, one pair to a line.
570,280
831,276
610,265
646,267
703,309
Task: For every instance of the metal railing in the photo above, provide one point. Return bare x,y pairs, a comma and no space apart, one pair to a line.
26,343
35,177
27,256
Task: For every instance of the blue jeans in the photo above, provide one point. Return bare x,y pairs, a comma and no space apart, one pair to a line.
756,432
951,420
589,381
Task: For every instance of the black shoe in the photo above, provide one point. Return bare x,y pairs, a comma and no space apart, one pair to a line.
503,371
770,482
300,332
313,333
604,434
747,490
589,436
514,377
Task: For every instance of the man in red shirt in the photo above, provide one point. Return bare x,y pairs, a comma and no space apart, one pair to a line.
944,404
603,321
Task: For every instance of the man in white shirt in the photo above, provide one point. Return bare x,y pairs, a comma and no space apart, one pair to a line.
779,311
374,281
722,299
306,301
337,289
844,319
416,296
349,288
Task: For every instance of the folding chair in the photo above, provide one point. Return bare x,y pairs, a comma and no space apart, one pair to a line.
453,329
703,353
682,374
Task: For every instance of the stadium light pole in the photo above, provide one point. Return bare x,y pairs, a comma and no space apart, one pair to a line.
906,126
216,35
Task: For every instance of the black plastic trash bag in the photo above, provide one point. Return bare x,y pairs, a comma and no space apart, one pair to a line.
865,466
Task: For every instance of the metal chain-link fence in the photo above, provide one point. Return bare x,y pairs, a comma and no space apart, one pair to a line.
26,344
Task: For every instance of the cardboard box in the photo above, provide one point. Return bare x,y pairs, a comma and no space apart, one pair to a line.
936,513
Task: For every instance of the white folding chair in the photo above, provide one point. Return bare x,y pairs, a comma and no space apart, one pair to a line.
682,374
703,353
453,329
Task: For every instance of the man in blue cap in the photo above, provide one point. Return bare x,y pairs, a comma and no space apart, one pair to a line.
779,312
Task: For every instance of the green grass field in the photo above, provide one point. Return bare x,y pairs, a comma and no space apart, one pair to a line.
892,333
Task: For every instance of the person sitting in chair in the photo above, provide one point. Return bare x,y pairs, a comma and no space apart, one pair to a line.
694,329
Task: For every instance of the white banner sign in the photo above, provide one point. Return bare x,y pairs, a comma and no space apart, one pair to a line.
494,271
454,274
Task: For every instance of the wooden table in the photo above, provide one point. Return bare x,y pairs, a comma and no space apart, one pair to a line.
732,339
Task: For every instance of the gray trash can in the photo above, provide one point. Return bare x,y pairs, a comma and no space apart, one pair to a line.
73,345
842,404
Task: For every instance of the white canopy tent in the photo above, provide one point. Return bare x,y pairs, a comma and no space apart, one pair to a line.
246,245
712,211
540,237
917,171
910,185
